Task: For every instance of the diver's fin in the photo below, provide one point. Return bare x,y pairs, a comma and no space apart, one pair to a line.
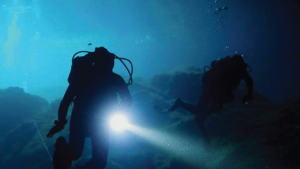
160,109
60,158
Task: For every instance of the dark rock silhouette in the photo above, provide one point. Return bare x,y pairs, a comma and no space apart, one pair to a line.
16,106
18,109
184,84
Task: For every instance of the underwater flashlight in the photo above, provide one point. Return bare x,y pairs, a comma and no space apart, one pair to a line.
118,123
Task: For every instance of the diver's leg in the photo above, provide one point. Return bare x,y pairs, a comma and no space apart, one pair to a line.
65,153
100,145
77,135
227,97
77,139
214,108
217,104
203,103
61,159
181,104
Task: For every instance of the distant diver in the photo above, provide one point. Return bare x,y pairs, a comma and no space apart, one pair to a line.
218,83
94,88
90,44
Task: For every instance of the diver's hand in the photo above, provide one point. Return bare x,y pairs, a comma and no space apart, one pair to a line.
57,128
247,99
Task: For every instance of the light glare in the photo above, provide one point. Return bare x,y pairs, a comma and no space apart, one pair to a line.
118,123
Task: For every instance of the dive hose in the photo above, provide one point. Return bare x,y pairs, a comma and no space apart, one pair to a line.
121,60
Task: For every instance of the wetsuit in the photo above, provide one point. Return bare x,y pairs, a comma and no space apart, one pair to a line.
218,85
93,103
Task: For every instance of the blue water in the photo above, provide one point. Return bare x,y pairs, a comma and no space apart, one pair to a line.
38,39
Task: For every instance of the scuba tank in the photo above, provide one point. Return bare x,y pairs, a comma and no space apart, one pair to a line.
81,66
221,69
228,59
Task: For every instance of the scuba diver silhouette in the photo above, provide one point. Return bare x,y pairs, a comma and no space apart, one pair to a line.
94,88
218,83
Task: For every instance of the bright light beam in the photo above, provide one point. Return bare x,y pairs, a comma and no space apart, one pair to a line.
118,123
189,150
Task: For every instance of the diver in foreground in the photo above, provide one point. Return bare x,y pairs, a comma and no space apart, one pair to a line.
94,88
218,83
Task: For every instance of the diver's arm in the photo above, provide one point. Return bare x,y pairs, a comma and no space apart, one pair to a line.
65,103
249,83
122,89
125,98
62,111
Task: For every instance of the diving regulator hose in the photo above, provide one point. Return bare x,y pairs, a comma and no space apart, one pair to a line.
121,60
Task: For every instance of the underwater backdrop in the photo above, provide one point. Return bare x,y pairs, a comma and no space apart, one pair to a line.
169,42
